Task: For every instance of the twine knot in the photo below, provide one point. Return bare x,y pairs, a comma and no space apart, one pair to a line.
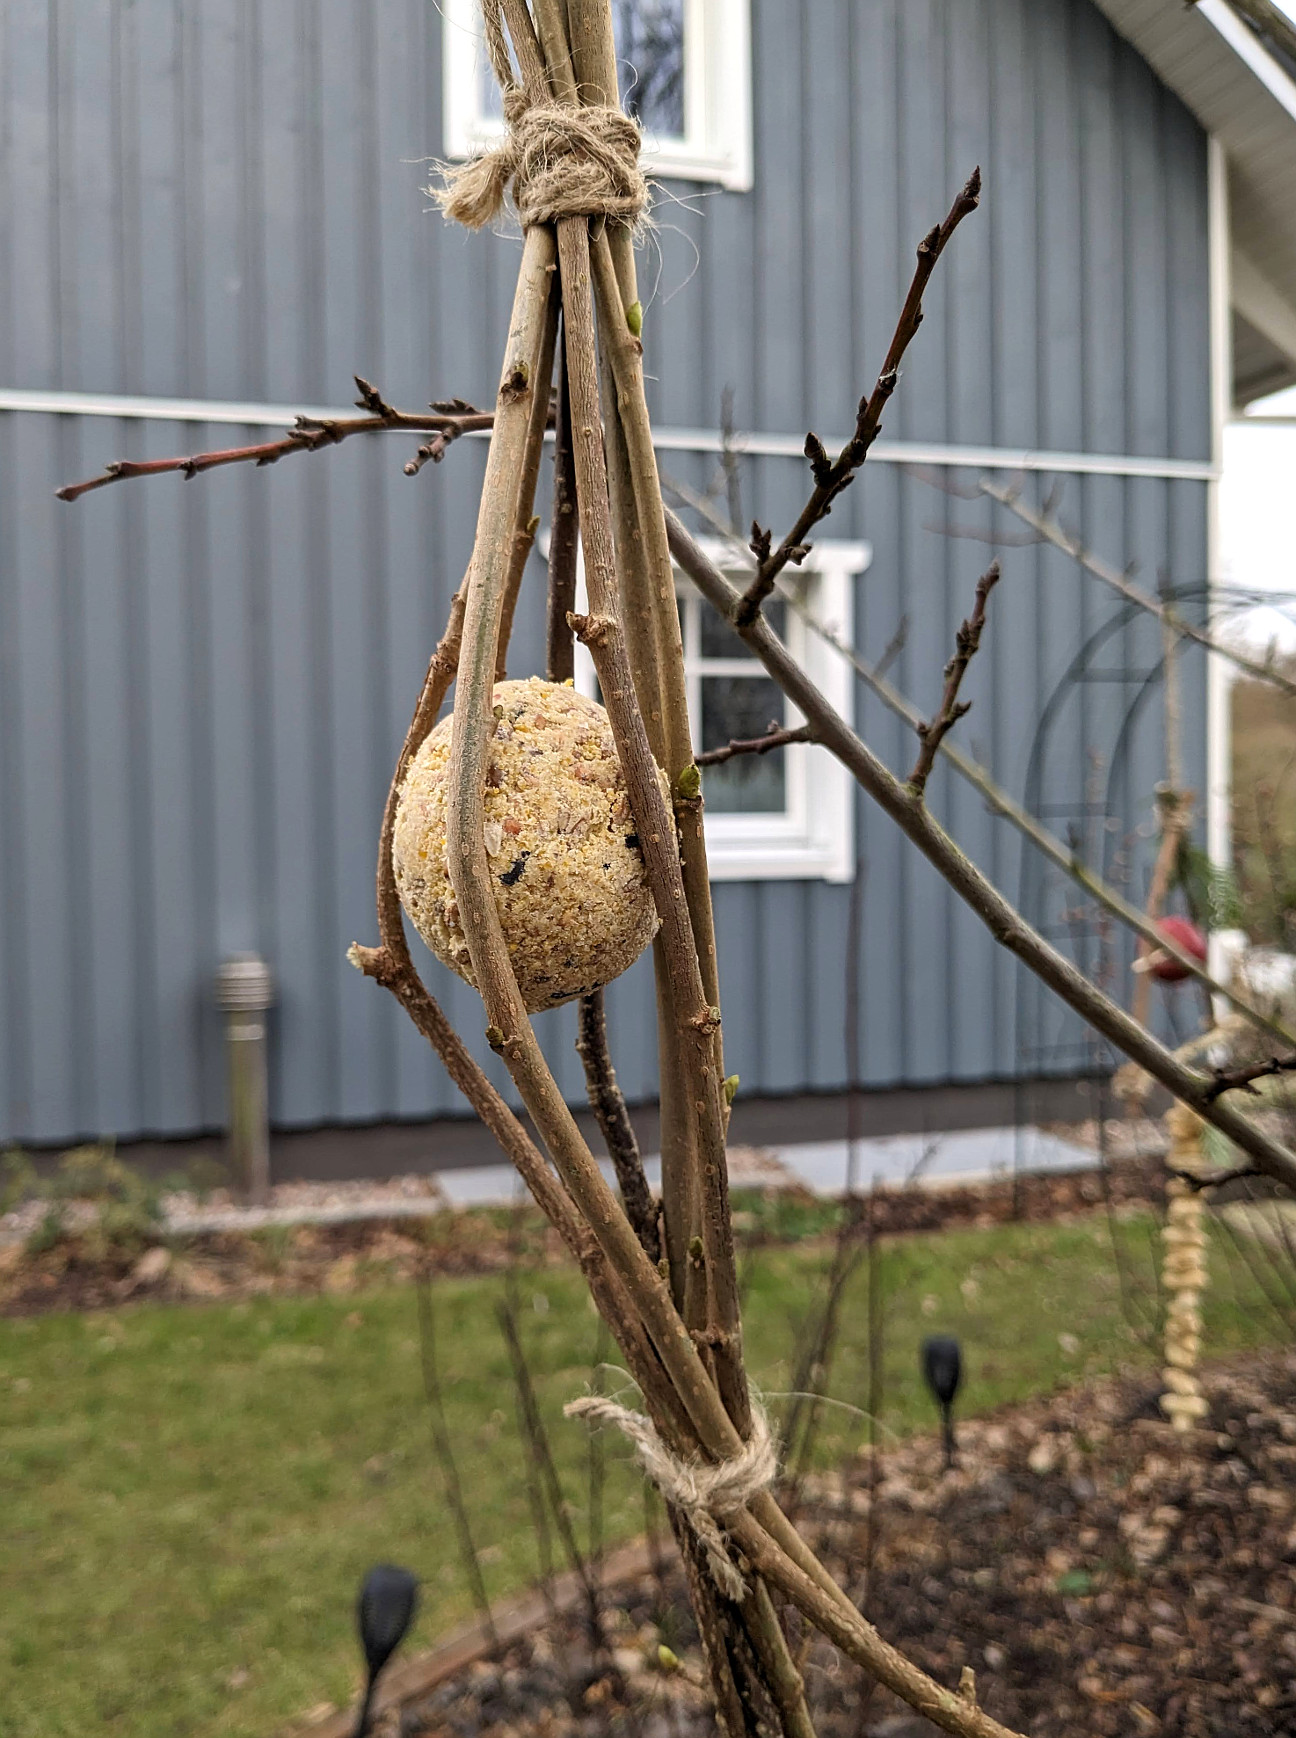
706,1493
561,162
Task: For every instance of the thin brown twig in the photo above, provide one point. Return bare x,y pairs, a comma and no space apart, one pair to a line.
832,476
773,738
607,1101
447,420
966,643
1235,1079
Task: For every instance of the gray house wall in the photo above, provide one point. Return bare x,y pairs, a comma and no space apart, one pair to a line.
203,685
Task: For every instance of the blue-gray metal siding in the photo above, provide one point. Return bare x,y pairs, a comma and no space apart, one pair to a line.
203,685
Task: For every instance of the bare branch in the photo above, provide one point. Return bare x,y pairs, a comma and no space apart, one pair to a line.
831,477
773,738
1000,803
1004,922
447,421
1242,1079
966,644
1047,527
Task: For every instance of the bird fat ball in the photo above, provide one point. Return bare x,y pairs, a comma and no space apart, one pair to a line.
565,864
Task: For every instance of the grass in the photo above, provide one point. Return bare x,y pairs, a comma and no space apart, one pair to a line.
189,1495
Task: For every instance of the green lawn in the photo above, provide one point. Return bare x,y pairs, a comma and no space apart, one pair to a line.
189,1495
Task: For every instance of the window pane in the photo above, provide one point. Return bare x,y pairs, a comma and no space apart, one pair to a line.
650,62
720,641
738,708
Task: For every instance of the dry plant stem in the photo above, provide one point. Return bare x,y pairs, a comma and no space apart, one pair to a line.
712,1627
470,873
609,1106
952,708
1048,528
681,1212
713,1179
1009,928
1008,808
601,633
844,1626
831,477
308,435
654,654
526,524
594,57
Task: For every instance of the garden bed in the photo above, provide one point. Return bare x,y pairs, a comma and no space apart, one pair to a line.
93,1266
1098,1573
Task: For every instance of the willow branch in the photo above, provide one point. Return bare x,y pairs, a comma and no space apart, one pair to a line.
952,709
688,931
1006,924
832,476
1047,527
1000,803
447,422
859,1641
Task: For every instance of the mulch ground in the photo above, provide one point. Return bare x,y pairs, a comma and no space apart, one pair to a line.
1101,1576
83,1270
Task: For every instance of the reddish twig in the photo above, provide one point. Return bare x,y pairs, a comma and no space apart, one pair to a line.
773,738
952,709
831,477
447,421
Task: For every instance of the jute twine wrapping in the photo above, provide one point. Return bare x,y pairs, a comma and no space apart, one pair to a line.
561,161
705,1493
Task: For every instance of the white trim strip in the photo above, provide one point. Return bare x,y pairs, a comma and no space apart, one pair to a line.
699,440
1251,51
687,440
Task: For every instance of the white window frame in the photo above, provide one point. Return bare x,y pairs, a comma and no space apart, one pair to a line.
717,142
814,837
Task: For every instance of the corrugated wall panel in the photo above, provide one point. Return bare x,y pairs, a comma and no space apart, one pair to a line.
203,686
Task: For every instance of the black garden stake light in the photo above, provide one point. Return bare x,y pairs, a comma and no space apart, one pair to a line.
384,1613
943,1372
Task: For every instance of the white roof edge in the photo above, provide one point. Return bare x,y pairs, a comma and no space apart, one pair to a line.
1248,47
1246,99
